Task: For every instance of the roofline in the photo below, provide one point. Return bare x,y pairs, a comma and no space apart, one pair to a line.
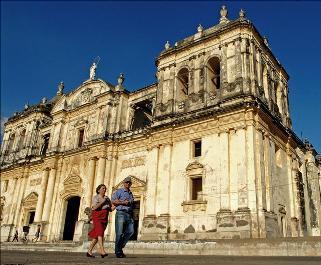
232,24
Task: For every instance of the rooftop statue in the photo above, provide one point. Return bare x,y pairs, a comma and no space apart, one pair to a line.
61,87
223,13
92,72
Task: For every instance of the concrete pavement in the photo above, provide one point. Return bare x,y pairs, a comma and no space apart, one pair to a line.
73,258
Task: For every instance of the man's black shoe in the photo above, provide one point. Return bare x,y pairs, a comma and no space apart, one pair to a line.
120,255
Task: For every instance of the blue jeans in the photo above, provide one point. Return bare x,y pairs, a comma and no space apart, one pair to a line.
124,227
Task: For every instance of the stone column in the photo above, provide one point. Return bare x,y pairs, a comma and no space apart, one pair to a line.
49,195
54,222
41,197
8,219
268,171
314,198
224,81
260,185
253,70
91,177
152,172
100,176
251,172
224,150
234,155
163,184
19,199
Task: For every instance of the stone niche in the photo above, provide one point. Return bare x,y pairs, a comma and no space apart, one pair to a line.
236,224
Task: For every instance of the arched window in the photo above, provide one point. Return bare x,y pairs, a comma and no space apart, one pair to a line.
45,144
11,142
183,83
22,139
213,75
279,98
265,83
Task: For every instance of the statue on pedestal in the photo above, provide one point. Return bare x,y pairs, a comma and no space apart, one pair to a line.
223,13
92,71
61,87
120,81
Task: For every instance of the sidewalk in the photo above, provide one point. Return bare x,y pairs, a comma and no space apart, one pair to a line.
309,246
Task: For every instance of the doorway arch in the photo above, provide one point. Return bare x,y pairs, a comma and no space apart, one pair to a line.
72,211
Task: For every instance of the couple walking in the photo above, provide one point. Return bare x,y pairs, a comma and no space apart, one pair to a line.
122,200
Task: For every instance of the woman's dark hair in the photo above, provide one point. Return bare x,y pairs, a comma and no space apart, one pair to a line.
99,186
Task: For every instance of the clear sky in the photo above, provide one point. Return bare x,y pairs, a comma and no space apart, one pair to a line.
43,43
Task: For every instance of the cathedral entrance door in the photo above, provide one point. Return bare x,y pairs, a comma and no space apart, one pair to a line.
136,219
71,217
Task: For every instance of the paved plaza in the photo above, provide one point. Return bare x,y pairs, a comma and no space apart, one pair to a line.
39,257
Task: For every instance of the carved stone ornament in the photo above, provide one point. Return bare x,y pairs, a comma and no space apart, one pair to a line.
61,87
194,168
30,201
86,94
167,45
192,206
35,182
72,186
200,28
121,79
162,107
223,13
133,162
242,14
138,187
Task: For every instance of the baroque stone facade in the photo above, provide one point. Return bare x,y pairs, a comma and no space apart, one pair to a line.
210,147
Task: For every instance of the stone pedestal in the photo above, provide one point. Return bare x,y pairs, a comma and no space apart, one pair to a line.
6,231
271,225
225,219
236,224
155,228
149,230
85,230
81,231
295,227
243,222
162,226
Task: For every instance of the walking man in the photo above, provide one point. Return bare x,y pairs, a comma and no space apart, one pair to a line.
15,237
123,199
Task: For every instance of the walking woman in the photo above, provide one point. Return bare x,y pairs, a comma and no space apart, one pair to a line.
101,206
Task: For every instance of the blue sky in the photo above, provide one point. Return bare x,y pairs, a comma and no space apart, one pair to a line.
43,43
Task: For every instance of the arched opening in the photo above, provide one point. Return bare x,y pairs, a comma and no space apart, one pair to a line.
265,83
141,115
11,142
22,139
71,217
213,75
45,144
182,83
279,98
278,157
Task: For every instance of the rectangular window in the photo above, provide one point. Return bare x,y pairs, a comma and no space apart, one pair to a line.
31,217
197,148
81,137
197,189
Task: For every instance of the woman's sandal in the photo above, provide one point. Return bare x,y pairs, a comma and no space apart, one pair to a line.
89,255
104,255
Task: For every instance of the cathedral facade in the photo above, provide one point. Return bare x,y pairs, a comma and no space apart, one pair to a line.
210,148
